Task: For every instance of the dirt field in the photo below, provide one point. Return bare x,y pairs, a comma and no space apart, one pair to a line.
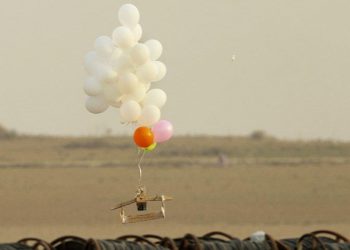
284,201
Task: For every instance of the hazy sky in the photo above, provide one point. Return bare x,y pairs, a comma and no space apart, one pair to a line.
290,78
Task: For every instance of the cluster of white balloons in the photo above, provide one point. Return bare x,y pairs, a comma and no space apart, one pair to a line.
121,70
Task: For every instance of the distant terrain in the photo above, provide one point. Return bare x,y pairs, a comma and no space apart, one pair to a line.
181,151
53,186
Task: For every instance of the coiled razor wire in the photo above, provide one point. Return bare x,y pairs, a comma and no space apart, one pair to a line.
317,240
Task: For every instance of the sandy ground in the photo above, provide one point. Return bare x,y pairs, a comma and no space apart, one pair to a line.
284,201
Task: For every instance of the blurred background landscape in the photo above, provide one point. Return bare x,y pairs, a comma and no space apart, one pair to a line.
262,142
52,185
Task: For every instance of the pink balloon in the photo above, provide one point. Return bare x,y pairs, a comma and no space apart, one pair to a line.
162,131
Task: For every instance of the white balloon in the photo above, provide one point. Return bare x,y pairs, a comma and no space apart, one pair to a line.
130,111
161,71
117,104
92,87
129,15
96,104
90,62
156,97
149,116
127,82
123,37
137,95
104,46
111,93
155,48
117,52
146,85
122,63
148,72
139,54
105,73
137,31
115,57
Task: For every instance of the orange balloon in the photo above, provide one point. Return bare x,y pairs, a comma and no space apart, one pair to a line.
143,137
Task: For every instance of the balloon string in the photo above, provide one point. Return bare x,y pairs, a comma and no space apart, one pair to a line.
139,164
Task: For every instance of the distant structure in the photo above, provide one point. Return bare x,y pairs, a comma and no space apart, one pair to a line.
223,160
7,134
258,135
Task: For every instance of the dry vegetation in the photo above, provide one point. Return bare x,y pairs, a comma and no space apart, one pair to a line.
54,186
